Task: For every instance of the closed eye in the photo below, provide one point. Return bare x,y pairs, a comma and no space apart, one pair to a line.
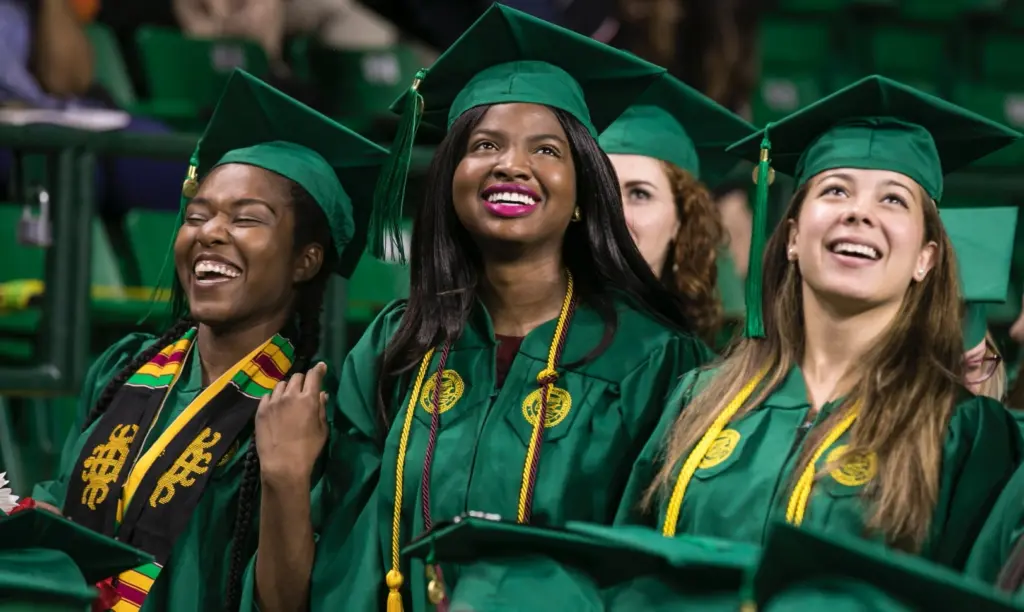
195,219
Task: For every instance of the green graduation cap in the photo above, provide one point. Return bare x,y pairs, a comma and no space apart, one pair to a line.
49,563
258,125
876,124
983,241
506,566
508,56
676,123
802,570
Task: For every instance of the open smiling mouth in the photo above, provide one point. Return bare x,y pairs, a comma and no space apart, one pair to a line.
209,273
852,249
510,200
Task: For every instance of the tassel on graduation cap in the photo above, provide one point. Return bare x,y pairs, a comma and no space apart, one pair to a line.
389,196
764,176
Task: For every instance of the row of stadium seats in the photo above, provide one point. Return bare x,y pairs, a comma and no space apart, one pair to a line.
978,70
920,10
185,76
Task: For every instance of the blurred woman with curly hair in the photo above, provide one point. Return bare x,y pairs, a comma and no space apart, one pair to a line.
658,147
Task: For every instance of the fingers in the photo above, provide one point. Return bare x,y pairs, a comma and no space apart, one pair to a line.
295,382
48,507
323,408
279,390
314,378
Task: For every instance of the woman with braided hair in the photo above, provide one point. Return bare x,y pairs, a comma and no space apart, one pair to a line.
661,147
179,432
529,364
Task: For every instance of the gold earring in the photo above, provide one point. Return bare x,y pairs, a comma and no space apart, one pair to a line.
577,215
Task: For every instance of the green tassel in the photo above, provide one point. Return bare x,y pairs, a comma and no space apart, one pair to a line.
764,175
389,196
179,303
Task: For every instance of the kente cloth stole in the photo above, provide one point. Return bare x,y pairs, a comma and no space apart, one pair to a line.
147,498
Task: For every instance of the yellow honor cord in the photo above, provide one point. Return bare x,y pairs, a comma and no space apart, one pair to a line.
801,494
550,373
394,578
675,503
797,505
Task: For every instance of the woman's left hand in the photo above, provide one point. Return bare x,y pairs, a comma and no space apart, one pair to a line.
291,426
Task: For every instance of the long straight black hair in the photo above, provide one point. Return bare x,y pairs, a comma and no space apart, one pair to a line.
446,264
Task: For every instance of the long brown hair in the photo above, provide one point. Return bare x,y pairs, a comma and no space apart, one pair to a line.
691,269
907,385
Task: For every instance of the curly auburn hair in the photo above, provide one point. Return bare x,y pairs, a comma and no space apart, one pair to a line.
691,269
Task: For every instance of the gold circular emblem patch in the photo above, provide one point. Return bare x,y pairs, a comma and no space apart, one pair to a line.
559,405
720,449
452,389
854,470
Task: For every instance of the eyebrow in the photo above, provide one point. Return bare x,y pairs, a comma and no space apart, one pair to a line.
836,175
895,183
638,183
238,203
497,134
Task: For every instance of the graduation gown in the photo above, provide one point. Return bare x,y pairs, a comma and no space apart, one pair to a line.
1002,532
750,479
590,443
196,574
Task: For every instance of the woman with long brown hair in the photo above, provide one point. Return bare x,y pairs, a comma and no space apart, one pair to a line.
843,408
660,147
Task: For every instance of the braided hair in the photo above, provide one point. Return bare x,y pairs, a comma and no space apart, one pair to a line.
175,332
310,227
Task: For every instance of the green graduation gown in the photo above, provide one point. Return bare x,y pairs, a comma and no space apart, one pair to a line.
196,574
616,401
1002,531
750,484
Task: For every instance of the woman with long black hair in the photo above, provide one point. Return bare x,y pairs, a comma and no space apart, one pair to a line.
530,362
165,458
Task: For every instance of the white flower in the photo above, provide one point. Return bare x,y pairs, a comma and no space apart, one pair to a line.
7,501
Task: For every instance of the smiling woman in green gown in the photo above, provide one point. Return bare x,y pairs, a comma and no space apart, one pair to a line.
529,365
163,457
842,408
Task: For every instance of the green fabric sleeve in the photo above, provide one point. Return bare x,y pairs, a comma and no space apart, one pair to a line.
649,461
982,450
106,366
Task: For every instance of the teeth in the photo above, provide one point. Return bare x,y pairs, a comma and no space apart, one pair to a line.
510,197
211,267
849,248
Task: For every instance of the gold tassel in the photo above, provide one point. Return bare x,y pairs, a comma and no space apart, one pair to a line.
395,580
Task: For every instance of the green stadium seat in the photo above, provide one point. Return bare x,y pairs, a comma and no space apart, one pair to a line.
149,234
359,86
933,10
792,75
111,72
1001,57
113,303
189,73
373,285
914,56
